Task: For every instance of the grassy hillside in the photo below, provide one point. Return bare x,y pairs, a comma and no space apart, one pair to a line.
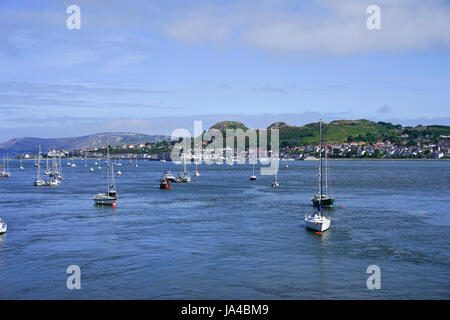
341,131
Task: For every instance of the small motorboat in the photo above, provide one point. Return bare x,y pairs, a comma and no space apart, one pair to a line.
119,173
91,169
3,226
169,176
39,183
164,184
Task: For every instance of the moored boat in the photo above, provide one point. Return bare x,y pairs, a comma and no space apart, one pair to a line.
164,184
111,196
3,226
316,221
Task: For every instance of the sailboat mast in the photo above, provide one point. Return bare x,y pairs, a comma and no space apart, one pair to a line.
108,165
326,170
320,164
39,164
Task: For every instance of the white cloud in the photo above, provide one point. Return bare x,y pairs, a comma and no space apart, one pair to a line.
323,27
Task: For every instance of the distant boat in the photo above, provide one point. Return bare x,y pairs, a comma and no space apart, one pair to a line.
196,171
91,169
21,166
39,182
164,183
318,222
327,198
5,173
253,177
169,176
184,176
119,173
3,226
110,197
275,184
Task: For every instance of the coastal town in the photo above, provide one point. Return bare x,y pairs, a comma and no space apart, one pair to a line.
348,150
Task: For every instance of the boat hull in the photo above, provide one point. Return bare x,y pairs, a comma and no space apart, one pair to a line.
105,201
317,224
325,202
102,199
164,186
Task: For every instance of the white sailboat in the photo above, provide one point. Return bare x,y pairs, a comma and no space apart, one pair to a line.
184,176
275,184
5,172
316,221
253,177
110,197
39,182
196,171
3,226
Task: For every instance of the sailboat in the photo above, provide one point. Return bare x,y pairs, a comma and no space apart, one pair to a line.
5,173
110,197
275,184
39,182
318,222
184,176
47,170
3,226
196,171
253,177
327,198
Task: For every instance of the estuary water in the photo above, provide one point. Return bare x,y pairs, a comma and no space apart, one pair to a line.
223,236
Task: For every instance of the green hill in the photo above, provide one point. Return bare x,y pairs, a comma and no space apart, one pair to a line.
340,131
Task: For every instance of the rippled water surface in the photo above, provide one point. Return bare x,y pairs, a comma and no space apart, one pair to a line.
225,237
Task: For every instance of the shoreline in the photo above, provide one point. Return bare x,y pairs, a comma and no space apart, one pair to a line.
375,159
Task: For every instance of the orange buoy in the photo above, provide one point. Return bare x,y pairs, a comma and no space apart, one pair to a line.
318,232
341,207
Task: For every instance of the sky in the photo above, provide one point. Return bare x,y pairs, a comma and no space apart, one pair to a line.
155,66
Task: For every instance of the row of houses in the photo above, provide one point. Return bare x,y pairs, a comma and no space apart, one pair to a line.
378,149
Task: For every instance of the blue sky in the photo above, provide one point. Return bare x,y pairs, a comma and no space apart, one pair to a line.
154,66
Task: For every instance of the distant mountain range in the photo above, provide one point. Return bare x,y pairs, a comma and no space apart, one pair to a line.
30,144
